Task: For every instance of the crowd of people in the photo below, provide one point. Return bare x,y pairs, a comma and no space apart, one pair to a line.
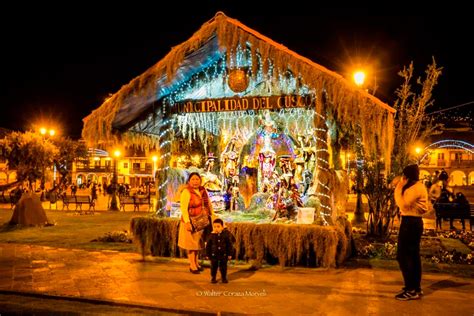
95,189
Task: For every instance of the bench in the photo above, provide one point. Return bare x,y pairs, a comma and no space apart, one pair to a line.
8,198
142,201
454,211
85,199
68,199
78,200
136,201
126,200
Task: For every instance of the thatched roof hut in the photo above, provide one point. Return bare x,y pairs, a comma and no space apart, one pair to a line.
139,111
221,36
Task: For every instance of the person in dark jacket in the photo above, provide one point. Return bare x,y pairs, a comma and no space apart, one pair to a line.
219,249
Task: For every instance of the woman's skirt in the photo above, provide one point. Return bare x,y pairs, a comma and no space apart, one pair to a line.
188,240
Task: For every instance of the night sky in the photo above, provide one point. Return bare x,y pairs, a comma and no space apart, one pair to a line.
58,67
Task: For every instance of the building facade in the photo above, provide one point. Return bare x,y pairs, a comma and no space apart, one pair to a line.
453,151
132,169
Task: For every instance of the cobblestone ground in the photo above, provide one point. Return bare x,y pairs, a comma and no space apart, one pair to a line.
159,282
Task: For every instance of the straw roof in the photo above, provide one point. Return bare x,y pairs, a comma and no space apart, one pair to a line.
221,36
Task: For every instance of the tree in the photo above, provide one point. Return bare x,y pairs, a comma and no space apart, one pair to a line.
68,152
29,154
411,124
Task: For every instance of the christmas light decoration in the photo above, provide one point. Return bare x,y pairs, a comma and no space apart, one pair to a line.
217,81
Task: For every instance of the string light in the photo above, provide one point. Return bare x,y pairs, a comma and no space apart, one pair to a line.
210,82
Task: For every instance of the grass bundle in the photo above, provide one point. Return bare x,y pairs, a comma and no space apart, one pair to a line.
288,245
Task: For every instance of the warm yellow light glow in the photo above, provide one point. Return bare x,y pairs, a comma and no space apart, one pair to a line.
47,131
96,158
154,158
348,155
117,153
418,150
359,77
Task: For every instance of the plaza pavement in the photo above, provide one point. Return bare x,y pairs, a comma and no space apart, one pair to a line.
166,284
123,278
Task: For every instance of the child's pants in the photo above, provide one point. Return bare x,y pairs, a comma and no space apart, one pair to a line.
222,264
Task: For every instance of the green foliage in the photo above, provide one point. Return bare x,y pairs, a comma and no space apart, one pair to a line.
380,197
31,154
28,153
387,250
68,152
116,236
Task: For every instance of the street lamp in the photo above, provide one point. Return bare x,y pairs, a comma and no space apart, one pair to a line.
419,152
113,202
359,216
365,79
44,132
359,77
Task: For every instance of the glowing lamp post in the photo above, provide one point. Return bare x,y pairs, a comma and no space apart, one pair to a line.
359,217
113,202
359,78
44,133
419,154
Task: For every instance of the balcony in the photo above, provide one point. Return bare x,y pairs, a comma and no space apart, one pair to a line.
107,169
141,171
441,163
464,164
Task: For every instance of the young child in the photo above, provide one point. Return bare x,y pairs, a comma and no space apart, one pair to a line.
219,249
